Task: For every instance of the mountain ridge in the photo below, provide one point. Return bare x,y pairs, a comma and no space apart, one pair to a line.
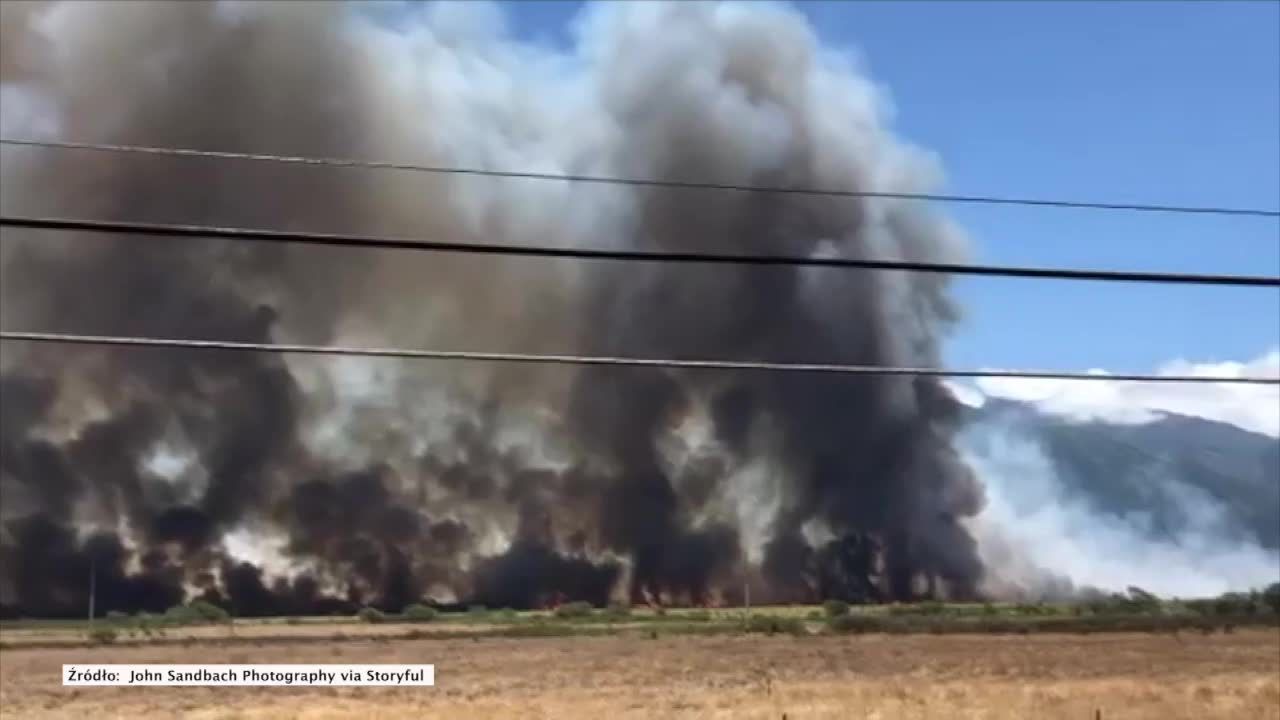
1171,474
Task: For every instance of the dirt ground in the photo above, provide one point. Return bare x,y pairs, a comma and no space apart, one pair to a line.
890,677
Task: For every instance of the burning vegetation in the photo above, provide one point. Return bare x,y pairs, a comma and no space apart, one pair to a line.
280,485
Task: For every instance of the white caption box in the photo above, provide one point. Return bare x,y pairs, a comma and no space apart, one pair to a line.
250,675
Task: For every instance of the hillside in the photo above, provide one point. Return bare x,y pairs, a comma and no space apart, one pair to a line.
1171,473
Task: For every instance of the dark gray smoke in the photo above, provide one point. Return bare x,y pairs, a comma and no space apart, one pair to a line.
286,485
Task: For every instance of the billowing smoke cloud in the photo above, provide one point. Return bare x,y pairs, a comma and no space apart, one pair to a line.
384,482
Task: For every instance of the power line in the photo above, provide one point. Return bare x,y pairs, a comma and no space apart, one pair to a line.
381,242
118,340
681,184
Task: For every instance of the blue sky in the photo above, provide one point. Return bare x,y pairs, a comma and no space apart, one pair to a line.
1171,103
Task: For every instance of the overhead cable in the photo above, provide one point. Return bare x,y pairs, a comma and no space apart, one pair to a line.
643,182
392,352
392,243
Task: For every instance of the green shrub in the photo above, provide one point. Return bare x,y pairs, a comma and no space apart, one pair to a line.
103,635
1028,609
508,614
371,615
117,617
855,624
931,607
574,610
198,611
1203,608
618,610
774,624
835,608
293,621
698,615
208,612
180,615
478,612
1271,597
1233,604
419,613
1142,598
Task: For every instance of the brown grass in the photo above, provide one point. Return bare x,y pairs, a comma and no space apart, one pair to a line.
876,676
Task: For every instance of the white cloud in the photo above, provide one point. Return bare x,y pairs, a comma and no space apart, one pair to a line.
1252,407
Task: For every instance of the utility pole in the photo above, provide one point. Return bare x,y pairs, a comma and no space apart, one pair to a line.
93,587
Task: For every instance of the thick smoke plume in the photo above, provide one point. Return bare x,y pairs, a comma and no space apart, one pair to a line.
285,485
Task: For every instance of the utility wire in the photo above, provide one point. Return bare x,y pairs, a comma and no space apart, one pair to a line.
565,177
75,339
381,242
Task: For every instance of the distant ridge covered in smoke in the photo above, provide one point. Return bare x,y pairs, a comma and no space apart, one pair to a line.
1177,505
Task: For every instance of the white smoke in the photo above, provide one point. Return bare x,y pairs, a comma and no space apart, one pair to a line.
1035,532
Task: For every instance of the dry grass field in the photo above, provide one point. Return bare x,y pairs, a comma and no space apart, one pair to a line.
1131,676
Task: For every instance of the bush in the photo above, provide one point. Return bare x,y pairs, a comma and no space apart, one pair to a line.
478,612
1028,609
1142,598
1233,604
618,610
773,624
117,617
419,613
835,608
208,612
698,615
855,624
1271,597
371,615
199,611
146,623
293,621
181,615
931,607
103,635
574,610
